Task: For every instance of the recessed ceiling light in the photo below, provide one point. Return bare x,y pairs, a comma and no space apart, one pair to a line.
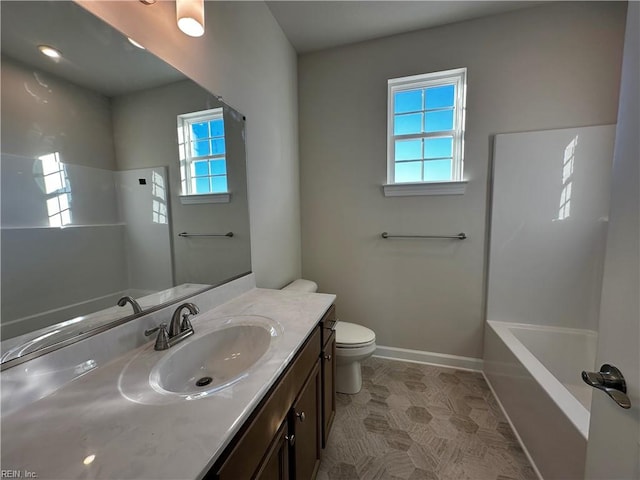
49,51
134,43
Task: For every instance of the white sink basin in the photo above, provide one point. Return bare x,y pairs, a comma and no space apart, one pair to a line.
211,362
221,353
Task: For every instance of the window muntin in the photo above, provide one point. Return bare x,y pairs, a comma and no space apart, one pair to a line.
426,127
203,165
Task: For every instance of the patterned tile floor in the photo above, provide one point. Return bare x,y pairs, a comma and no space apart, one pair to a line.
413,421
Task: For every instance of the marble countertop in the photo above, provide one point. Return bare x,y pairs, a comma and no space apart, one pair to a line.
89,419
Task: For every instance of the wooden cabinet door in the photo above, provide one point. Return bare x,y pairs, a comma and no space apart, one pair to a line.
305,419
275,465
328,386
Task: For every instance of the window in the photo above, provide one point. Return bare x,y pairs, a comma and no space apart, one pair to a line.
203,166
426,128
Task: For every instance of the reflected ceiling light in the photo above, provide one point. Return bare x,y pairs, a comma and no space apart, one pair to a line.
49,51
190,14
134,43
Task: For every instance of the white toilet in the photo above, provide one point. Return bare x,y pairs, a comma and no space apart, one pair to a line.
354,343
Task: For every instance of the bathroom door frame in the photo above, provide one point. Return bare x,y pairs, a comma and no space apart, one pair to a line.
613,450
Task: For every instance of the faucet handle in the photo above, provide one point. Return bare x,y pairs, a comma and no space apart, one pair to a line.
151,331
186,323
162,340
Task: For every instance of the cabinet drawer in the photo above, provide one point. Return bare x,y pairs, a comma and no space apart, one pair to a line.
328,324
246,454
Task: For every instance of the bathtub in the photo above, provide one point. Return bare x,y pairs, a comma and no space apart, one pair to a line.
534,372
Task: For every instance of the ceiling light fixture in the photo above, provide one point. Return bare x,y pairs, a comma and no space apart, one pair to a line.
49,51
190,15
134,43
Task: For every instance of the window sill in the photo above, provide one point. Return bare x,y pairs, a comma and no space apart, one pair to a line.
205,198
426,188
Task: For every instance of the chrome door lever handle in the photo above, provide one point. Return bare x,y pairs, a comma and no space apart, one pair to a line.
611,381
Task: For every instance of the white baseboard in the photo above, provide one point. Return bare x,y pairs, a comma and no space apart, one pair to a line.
429,358
513,428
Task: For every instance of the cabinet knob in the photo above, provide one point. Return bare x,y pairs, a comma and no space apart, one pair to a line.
327,357
291,439
301,416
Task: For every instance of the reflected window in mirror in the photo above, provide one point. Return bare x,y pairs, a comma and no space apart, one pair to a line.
159,201
203,165
57,190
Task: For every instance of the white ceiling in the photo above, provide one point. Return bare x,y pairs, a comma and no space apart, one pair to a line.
314,25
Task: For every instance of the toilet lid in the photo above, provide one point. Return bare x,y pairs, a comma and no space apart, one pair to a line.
351,334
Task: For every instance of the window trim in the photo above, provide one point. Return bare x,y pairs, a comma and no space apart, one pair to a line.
456,76
184,141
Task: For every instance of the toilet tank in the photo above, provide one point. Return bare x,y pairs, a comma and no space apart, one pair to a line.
301,285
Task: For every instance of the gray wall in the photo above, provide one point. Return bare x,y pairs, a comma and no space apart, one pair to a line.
145,129
548,67
244,57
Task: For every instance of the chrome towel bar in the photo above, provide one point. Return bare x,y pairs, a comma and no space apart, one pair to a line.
185,234
459,236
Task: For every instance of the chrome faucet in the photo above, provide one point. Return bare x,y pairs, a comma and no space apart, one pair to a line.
136,306
178,329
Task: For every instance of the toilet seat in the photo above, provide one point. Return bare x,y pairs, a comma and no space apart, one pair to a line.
351,335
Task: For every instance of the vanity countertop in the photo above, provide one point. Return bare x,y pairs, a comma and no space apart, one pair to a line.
55,436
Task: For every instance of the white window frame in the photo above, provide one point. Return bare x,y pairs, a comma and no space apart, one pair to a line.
456,185
184,143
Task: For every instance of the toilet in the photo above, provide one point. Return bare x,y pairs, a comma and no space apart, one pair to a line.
354,343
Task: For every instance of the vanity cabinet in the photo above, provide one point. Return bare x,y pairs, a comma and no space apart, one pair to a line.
284,436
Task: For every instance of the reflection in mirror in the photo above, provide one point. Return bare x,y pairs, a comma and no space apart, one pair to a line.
203,166
91,180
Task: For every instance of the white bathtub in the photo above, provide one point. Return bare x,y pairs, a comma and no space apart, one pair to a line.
535,374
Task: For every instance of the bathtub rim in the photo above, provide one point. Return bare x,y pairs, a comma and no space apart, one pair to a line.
577,413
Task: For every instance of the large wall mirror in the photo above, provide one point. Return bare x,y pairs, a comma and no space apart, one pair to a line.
120,178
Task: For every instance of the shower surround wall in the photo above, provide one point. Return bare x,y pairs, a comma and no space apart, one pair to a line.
552,66
44,115
549,223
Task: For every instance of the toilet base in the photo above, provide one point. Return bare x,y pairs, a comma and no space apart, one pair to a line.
349,378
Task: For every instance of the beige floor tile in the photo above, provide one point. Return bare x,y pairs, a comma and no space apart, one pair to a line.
420,422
